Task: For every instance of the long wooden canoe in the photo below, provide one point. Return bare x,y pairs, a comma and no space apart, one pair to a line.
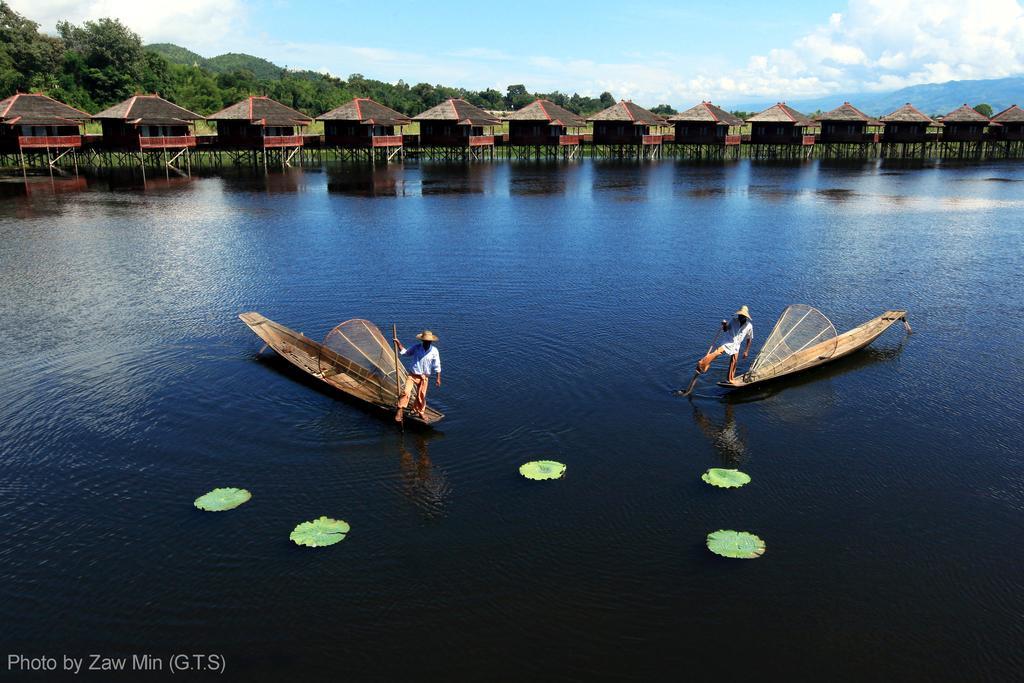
328,366
824,352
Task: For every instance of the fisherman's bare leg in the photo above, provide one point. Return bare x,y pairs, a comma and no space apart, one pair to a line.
732,366
704,363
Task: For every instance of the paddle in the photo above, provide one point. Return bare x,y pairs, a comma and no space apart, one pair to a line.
398,381
696,373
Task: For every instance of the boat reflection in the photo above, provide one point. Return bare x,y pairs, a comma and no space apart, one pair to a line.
727,437
423,484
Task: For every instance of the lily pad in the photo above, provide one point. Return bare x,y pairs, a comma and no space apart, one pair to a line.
219,500
542,469
738,544
725,479
320,532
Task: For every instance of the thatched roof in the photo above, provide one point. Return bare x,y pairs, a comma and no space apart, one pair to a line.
366,111
845,112
262,111
39,110
148,109
458,111
781,113
548,111
705,112
908,113
628,112
964,114
1012,114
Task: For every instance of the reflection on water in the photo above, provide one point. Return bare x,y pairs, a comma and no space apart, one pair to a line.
725,435
422,483
132,388
364,180
456,179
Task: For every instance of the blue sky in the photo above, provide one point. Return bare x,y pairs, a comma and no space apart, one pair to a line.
651,52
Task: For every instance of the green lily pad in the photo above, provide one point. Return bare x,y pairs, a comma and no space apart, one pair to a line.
725,479
218,500
542,469
738,544
320,532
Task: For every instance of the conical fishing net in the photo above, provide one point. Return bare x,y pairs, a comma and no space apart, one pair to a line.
357,355
801,337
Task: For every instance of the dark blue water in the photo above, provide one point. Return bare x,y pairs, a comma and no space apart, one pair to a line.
570,301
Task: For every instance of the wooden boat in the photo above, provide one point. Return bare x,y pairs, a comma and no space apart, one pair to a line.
824,349
359,364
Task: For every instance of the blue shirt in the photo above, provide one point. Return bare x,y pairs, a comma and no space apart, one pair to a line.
423,361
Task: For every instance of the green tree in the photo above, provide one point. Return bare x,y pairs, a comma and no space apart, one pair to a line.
984,109
517,97
606,99
112,60
28,59
663,110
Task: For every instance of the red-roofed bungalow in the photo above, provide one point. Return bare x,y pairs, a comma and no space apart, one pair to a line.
147,123
907,125
37,123
363,124
456,123
706,124
780,124
625,123
259,123
964,124
1011,124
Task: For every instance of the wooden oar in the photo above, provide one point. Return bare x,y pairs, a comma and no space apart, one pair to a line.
696,373
398,382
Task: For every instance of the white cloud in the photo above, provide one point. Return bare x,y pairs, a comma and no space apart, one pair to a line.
200,25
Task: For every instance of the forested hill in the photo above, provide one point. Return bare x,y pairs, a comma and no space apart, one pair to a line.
261,68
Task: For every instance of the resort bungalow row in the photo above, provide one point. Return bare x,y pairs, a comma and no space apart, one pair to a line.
148,122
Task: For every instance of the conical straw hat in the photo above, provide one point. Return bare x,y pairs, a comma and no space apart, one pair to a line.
744,312
427,335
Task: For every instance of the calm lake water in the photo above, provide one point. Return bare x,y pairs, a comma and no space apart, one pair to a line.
570,300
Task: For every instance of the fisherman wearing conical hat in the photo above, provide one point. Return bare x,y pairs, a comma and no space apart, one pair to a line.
736,330
425,360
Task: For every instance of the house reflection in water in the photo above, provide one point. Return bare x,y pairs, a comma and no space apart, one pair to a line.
369,181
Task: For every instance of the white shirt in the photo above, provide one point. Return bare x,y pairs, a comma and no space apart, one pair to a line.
735,334
423,361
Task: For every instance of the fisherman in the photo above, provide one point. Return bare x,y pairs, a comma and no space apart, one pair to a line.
425,360
736,330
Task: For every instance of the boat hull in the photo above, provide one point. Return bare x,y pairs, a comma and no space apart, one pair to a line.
846,343
305,354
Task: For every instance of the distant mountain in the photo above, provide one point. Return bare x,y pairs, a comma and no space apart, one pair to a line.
176,54
232,61
931,98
